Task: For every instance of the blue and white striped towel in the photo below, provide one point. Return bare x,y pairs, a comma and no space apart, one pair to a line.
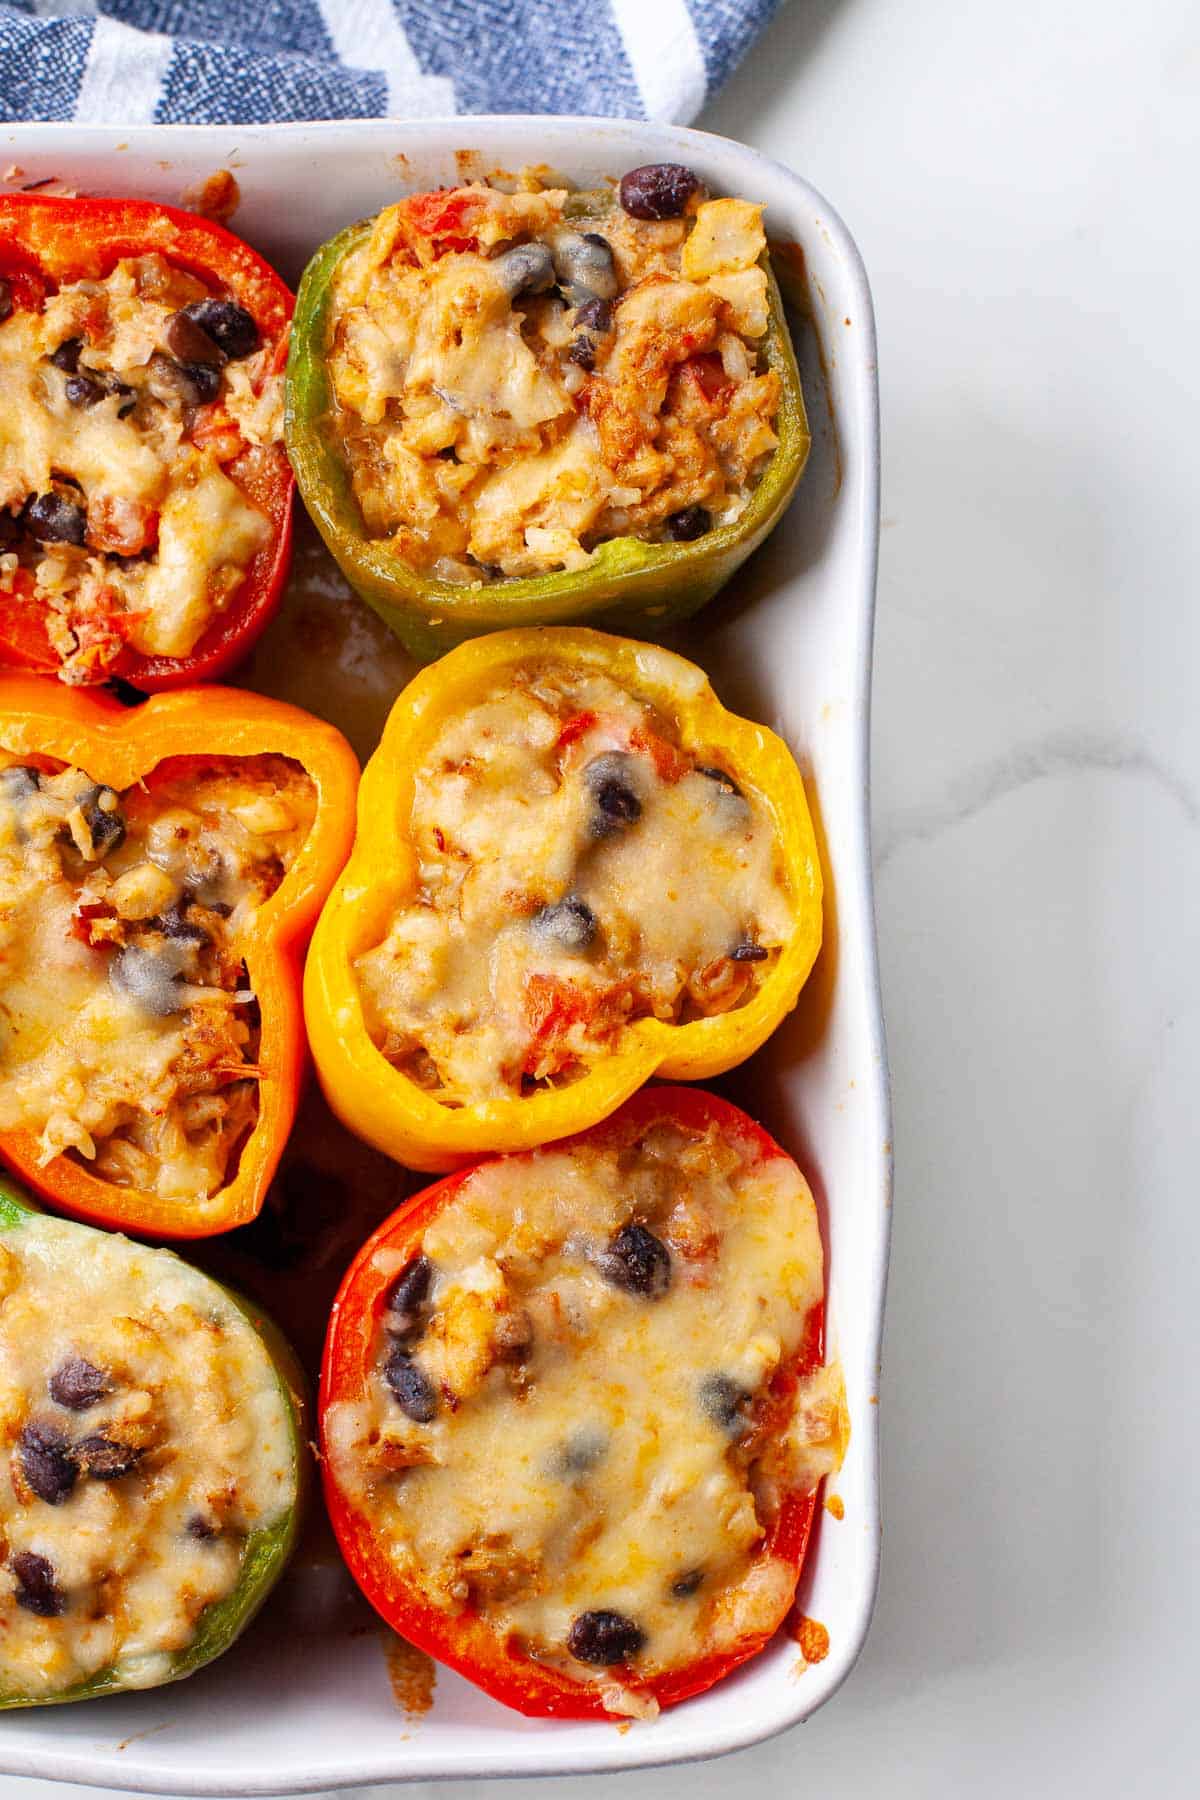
239,62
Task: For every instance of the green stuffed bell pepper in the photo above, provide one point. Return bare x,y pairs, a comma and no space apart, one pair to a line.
544,407
154,1461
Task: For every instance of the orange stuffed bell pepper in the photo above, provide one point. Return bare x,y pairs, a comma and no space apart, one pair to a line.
160,870
146,499
574,1412
574,870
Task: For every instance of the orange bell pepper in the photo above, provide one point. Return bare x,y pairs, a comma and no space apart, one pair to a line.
380,1102
117,746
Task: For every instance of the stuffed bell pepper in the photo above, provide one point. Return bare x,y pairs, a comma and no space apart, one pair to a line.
574,869
160,869
544,406
574,1412
152,1467
145,493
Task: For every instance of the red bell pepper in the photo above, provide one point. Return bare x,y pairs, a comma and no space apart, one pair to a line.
466,1640
47,240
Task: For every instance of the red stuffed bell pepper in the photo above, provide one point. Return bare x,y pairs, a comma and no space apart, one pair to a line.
145,493
574,1412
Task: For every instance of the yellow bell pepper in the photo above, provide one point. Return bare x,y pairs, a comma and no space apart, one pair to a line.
380,1102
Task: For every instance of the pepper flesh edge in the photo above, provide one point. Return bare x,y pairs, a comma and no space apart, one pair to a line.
73,237
629,584
267,1551
390,1111
117,745
465,1642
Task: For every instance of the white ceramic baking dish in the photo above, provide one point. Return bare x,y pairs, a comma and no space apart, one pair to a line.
305,1701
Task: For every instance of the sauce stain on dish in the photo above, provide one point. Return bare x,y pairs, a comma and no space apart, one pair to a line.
217,197
835,1506
327,651
411,1672
811,1635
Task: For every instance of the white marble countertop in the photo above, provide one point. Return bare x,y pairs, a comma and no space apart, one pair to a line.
1022,183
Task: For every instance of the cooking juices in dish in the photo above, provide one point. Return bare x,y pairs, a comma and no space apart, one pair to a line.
150,1057
574,1412
151,1464
540,404
144,489
573,868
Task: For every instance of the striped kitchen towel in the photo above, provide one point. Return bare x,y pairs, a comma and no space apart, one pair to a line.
238,62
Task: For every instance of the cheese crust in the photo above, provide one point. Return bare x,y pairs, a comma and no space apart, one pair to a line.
578,870
494,433
577,1417
144,533
128,1035
144,1437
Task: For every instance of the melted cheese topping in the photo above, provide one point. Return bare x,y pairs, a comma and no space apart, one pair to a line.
181,1391
491,436
600,1431
170,530
127,1031
578,871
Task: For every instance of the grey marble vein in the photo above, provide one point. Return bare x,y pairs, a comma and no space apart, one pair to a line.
1057,753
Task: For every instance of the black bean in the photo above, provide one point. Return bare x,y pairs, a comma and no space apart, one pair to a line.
594,315
84,390
11,528
19,782
6,304
657,190
149,978
229,326
604,1638
407,1296
105,1458
583,1450
583,352
104,819
634,1259
749,952
525,269
198,382
617,805
37,1590
66,357
725,1403
690,523
413,1391
175,924
725,782
686,1586
568,924
585,267
46,1462
53,519
78,1384
189,343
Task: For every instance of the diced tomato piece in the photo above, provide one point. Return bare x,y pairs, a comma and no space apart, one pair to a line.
121,527
552,1006
669,763
708,373
441,217
572,731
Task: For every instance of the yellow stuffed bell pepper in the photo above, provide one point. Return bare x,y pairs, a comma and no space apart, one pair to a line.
573,870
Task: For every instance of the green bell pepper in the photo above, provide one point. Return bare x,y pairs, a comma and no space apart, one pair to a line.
266,1551
629,586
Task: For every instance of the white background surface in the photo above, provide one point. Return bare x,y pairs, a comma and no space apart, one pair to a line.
1022,181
